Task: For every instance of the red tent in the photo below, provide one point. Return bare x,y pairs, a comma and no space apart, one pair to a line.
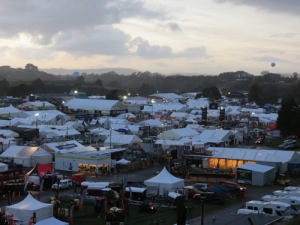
40,170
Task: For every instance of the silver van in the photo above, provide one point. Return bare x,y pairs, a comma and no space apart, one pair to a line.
62,184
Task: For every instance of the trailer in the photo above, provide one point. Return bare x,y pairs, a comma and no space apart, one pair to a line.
272,208
212,197
286,193
294,201
135,193
94,188
172,196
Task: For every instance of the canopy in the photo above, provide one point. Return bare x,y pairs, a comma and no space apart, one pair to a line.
166,182
123,161
51,221
24,210
40,170
3,167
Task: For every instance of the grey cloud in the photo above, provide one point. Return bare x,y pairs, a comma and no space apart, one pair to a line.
160,64
281,6
174,26
268,59
286,35
145,50
43,20
199,52
104,40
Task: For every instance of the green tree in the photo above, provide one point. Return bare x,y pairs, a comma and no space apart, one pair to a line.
37,86
98,82
255,94
80,80
212,93
20,91
4,87
30,66
112,95
288,121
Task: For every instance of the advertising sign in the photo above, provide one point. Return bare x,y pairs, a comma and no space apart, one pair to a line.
244,176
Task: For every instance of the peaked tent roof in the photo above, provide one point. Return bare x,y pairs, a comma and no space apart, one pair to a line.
164,177
123,161
29,203
51,221
40,170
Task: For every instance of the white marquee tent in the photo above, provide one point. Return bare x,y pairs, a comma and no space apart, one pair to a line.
166,182
24,210
51,221
123,161
122,140
3,167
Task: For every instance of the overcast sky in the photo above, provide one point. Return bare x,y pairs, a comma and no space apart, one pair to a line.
167,36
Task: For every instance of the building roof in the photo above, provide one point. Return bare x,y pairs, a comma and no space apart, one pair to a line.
94,104
255,167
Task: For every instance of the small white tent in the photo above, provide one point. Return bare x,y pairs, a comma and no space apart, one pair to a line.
51,221
166,182
24,210
3,167
123,161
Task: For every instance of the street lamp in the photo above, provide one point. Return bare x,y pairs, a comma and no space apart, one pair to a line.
125,97
71,168
75,92
110,130
67,133
152,102
36,119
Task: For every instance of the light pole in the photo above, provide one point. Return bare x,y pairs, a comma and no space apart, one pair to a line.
75,92
71,168
110,138
125,97
152,102
67,133
36,119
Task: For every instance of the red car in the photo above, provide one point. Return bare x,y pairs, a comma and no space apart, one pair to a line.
192,191
232,186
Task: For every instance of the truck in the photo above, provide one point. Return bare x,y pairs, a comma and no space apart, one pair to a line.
272,208
78,178
294,201
230,188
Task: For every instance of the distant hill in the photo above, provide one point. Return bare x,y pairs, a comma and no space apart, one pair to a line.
62,71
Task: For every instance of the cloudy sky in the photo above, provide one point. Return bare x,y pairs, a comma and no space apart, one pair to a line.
167,36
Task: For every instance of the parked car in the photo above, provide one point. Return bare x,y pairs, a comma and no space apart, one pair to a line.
201,186
259,141
232,185
192,191
289,146
290,141
283,145
62,184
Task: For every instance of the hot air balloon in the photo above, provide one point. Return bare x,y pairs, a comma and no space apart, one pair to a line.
273,64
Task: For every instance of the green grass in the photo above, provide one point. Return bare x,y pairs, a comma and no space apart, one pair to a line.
89,216
294,221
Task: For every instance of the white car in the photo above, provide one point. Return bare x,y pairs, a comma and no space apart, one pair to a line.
62,184
290,141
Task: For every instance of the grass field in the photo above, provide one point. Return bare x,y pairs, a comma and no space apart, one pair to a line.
89,216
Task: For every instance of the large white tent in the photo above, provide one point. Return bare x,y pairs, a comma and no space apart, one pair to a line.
166,182
26,155
24,210
122,140
3,167
51,221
